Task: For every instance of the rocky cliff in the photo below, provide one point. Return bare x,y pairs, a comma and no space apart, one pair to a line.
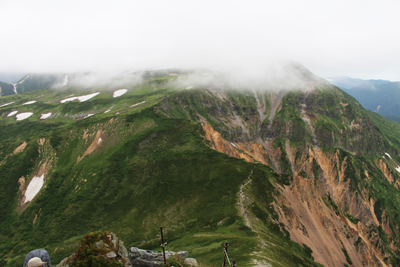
329,150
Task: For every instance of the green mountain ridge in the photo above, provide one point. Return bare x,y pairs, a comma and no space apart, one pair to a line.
379,96
153,160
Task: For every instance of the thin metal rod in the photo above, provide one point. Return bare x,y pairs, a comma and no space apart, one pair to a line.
163,245
225,253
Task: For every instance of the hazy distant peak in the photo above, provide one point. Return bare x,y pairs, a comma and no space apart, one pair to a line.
9,77
345,82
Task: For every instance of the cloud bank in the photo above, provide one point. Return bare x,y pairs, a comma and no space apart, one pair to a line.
353,38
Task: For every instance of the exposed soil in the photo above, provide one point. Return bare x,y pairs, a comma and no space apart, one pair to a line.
307,218
220,144
93,145
20,148
275,100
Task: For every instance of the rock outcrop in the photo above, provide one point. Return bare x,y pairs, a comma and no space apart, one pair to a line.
121,255
148,258
137,257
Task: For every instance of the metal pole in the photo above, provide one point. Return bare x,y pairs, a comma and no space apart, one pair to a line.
163,245
225,253
233,263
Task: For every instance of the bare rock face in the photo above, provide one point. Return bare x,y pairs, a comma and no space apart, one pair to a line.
148,258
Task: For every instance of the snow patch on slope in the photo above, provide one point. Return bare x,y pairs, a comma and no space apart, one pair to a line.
45,115
120,92
24,115
15,84
34,187
26,77
29,102
6,104
134,105
12,113
398,167
89,115
65,82
82,98
108,110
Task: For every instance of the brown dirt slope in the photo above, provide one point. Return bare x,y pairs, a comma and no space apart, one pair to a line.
307,216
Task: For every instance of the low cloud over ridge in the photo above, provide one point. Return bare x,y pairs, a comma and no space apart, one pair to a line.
356,38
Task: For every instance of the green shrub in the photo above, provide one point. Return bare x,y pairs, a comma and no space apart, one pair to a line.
91,252
176,261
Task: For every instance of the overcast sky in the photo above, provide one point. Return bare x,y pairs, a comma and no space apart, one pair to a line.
332,38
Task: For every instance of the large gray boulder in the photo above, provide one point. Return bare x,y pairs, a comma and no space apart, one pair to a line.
191,262
148,258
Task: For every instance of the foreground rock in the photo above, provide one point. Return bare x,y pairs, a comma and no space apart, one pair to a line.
121,255
148,258
137,257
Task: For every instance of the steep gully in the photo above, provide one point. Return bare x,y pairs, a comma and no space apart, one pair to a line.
307,218
15,84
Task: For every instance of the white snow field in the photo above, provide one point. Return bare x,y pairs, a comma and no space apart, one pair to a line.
23,116
134,105
108,110
65,82
120,92
89,115
34,187
6,104
45,115
398,167
81,98
189,87
29,102
15,84
12,113
100,139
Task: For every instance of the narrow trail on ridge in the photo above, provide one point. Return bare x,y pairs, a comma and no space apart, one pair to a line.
241,202
245,201
260,259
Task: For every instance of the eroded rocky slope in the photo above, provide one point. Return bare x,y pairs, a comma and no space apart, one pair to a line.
340,186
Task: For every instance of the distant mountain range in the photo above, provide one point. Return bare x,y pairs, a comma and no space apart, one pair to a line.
380,96
28,82
344,82
11,77
17,84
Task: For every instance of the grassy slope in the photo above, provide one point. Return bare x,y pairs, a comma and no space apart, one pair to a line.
6,89
151,171
342,125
